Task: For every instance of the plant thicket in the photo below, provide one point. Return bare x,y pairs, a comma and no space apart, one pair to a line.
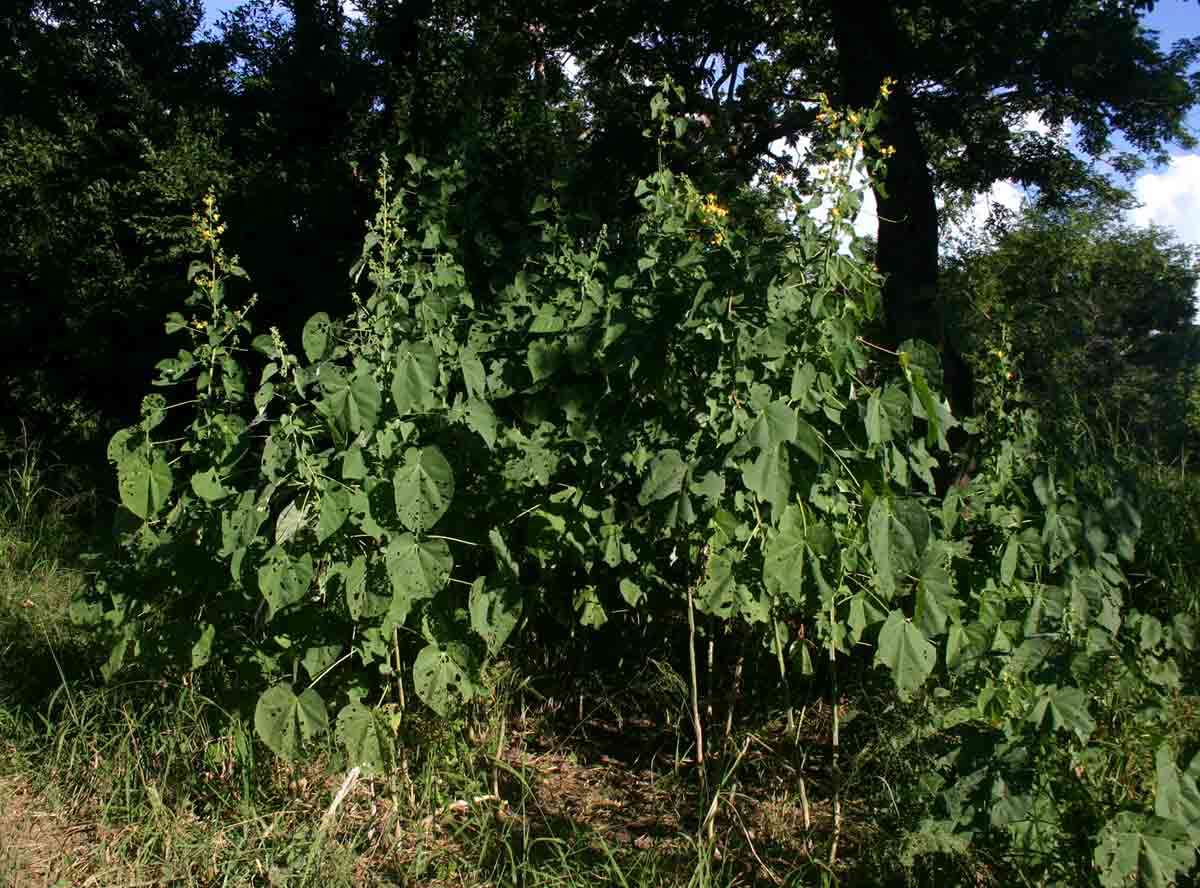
675,417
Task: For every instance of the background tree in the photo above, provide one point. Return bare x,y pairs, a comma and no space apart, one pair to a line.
107,140
1097,317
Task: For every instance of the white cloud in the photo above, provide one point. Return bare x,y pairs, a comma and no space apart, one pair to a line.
1171,198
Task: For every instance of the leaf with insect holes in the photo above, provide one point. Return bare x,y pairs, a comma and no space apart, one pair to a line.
365,738
445,677
364,599
284,721
418,569
284,581
318,658
315,337
495,612
424,487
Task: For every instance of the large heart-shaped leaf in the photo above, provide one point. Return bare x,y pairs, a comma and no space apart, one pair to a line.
351,403
144,482
284,581
424,487
283,720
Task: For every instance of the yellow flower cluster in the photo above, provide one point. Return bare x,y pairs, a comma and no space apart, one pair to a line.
209,226
885,88
712,209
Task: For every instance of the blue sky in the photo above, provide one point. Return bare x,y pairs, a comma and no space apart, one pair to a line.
1170,195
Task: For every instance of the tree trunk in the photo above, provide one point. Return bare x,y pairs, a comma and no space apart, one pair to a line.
869,49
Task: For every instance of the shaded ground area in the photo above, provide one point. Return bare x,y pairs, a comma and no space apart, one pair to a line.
601,801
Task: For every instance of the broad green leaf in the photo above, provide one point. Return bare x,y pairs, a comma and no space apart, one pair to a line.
631,592
494,613
424,487
351,403
878,429
670,477
936,603
770,476
1176,794
418,569
1063,708
320,657
315,337
906,651
207,485
504,558
144,483
416,387
124,443
802,380
910,534
1147,852
1008,563
783,562
154,411
717,594
290,520
776,425
481,420
353,466
543,359
202,649
879,521
366,739
445,677
335,509
588,608
284,581
364,599
668,473
474,376
283,720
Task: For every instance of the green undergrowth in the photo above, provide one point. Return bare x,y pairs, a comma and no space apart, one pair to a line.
572,776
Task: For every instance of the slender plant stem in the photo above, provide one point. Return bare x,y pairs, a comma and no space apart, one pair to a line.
697,724
835,742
